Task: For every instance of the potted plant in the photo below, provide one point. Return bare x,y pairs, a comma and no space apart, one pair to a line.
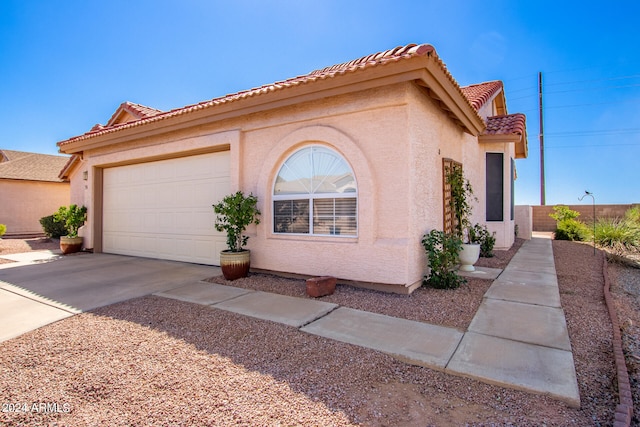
461,199
480,234
73,218
235,213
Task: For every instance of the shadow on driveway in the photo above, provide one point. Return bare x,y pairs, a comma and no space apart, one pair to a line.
37,294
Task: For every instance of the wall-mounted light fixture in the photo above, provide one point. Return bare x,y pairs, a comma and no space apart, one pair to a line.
85,175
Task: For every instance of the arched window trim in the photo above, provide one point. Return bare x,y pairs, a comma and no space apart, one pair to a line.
316,198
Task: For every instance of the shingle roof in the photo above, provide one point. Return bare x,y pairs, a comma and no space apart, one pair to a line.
506,125
31,166
479,94
378,59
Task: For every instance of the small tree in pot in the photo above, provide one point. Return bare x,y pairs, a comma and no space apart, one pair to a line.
235,213
73,218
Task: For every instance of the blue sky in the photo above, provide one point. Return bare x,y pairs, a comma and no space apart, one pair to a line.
67,65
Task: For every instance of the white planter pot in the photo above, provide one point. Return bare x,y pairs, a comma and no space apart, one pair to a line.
468,256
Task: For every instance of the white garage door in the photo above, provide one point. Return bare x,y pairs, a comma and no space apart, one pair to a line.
163,209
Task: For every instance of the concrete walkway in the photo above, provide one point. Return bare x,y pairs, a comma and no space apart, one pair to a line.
517,339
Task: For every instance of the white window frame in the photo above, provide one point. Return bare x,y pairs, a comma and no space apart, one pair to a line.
315,196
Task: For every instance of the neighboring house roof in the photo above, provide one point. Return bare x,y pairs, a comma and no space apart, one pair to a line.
428,70
21,165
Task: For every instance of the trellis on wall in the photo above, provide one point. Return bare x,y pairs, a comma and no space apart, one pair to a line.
449,219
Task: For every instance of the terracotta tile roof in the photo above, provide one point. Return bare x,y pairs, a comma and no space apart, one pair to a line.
395,54
31,166
479,94
506,125
136,111
65,172
141,110
378,59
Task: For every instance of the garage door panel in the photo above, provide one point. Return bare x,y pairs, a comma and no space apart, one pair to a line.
164,209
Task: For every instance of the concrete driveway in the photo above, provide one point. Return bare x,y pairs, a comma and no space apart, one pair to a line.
40,293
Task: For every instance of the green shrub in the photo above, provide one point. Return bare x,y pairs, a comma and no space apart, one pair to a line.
53,228
73,218
479,234
562,213
571,229
3,229
568,227
617,235
442,251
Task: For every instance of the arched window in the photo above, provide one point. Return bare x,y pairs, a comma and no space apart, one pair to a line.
315,193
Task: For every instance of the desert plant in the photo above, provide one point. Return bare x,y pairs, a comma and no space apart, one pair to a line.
479,234
442,251
73,218
461,199
52,228
619,235
3,229
235,213
632,215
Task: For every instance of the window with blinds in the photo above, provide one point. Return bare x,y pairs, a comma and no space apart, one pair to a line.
315,193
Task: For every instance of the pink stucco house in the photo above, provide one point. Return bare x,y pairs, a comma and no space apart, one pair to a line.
347,163
30,188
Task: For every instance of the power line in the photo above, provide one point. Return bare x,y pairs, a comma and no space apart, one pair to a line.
593,132
592,146
593,88
595,80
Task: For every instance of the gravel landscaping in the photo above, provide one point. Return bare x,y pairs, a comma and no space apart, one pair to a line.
16,246
154,361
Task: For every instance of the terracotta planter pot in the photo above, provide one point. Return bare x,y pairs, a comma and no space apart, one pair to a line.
468,256
69,245
235,265
321,286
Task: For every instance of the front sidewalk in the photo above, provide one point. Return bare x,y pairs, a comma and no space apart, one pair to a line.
518,338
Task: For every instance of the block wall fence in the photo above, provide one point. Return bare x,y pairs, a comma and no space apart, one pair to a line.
543,222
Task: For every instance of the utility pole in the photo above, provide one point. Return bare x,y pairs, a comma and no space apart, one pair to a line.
542,189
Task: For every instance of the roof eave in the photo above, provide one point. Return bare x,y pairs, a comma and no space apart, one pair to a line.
68,168
520,141
450,98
